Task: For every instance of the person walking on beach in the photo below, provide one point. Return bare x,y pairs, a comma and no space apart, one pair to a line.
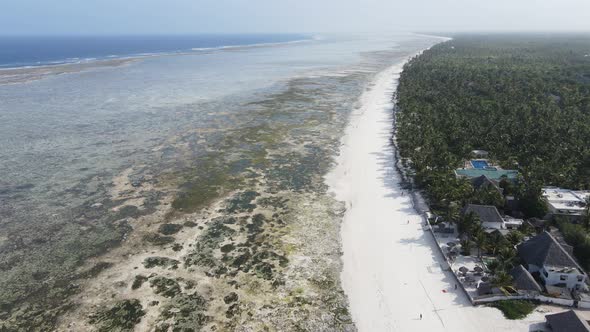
455,286
420,316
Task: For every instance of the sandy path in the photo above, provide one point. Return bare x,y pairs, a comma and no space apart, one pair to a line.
392,270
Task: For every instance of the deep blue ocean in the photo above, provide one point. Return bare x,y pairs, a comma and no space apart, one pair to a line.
19,51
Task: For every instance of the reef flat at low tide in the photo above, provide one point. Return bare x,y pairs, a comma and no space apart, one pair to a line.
265,253
28,74
217,218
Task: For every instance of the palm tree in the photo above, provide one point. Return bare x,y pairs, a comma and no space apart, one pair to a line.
514,237
468,224
452,213
496,241
506,257
526,229
488,196
494,266
502,279
480,241
465,247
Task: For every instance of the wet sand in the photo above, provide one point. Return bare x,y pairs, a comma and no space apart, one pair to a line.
23,75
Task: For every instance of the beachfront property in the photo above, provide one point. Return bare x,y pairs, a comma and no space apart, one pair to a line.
479,154
552,261
512,223
565,202
567,321
524,281
488,215
492,173
476,168
485,183
548,272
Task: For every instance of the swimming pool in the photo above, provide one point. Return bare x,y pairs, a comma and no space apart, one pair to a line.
480,164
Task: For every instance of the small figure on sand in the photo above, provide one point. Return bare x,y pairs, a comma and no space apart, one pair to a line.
455,286
420,316
408,222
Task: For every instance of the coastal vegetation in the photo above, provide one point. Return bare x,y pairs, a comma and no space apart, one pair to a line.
577,236
523,98
515,309
526,99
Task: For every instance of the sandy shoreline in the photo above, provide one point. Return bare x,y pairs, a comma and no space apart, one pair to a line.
392,271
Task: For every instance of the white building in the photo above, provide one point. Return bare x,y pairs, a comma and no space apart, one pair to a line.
553,261
565,202
512,223
480,153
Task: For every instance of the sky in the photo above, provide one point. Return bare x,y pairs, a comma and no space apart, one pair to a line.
99,17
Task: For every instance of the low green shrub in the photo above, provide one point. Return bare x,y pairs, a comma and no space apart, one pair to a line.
515,309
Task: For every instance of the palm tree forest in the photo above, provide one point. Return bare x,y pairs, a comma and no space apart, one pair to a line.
523,98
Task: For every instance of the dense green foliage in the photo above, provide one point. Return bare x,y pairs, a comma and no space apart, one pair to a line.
514,309
526,99
577,237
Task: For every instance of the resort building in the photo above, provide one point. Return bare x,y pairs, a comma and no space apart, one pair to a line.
480,153
567,321
565,202
491,172
512,223
554,263
524,282
485,183
488,215
477,168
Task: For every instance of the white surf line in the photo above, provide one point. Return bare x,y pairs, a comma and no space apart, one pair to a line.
386,260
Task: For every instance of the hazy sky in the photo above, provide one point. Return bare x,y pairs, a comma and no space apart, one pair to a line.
227,16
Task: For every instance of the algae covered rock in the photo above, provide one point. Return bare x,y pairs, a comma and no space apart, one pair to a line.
123,316
158,239
150,262
138,281
186,313
227,247
169,229
165,286
241,202
231,297
232,311
264,270
189,224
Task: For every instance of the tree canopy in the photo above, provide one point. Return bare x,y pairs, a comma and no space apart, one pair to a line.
523,98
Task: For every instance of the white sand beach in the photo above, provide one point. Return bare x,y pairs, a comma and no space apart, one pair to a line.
392,270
